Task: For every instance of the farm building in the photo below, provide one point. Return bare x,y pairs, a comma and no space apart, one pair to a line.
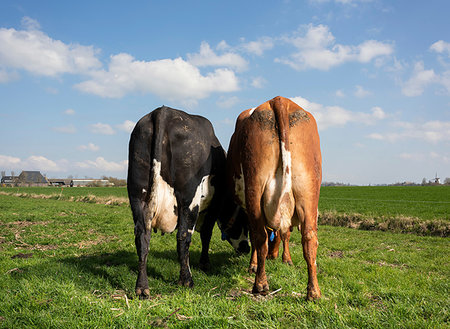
90,182
60,181
31,178
9,180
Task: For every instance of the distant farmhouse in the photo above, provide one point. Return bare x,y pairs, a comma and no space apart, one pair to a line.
26,178
35,178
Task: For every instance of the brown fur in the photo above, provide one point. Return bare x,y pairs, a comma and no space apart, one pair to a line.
277,198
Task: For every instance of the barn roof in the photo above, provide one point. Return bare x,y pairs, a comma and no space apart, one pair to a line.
32,177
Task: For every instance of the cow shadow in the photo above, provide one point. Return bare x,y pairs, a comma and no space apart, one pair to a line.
120,268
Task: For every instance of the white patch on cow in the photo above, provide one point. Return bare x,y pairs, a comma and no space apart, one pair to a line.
287,170
251,111
203,194
162,204
235,242
239,188
144,191
278,198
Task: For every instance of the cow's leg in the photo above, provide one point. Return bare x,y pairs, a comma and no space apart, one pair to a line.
205,235
274,246
253,259
310,244
142,240
259,239
186,223
286,254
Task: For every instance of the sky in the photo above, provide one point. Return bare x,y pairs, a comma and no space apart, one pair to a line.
75,77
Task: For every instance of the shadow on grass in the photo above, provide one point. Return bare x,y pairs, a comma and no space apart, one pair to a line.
119,269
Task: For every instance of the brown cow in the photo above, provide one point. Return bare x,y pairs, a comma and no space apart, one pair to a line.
274,167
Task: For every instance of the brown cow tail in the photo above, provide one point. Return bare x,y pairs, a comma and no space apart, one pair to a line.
282,119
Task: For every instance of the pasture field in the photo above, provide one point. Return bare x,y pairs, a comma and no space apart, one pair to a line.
67,263
422,210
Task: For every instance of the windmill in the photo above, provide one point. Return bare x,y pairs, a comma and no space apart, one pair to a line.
437,180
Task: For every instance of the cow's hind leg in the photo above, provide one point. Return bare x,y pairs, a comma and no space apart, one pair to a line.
286,253
186,223
142,240
310,244
205,235
258,236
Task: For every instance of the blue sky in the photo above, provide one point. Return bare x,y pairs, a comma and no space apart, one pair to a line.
76,76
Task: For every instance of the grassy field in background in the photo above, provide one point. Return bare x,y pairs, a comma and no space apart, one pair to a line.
425,202
66,263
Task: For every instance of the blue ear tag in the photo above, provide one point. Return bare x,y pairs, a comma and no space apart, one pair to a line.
224,236
272,236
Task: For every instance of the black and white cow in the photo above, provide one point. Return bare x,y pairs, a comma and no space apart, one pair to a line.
176,179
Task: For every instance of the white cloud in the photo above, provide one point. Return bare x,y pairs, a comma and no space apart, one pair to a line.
259,46
102,128
30,24
441,47
227,102
258,82
329,116
207,57
69,129
431,131
101,164
317,49
89,147
9,161
35,52
340,93
6,76
69,112
360,92
126,126
41,163
420,79
176,79
34,162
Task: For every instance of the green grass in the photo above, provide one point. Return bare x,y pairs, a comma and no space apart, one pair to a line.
424,202
66,264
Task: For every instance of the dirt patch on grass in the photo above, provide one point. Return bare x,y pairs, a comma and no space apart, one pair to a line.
336,254
398,224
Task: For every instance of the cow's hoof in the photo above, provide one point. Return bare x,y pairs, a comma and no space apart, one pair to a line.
272,256
260,289
205,267
288,262
143,293
313,294
252,269
186,282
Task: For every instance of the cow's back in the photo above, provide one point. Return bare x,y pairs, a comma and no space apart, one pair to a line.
171,153
256,147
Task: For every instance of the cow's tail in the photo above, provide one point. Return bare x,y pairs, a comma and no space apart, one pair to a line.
285,203
156,159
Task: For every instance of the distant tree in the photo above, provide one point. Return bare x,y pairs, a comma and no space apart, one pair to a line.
447,181
3,173
424,181
116,181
